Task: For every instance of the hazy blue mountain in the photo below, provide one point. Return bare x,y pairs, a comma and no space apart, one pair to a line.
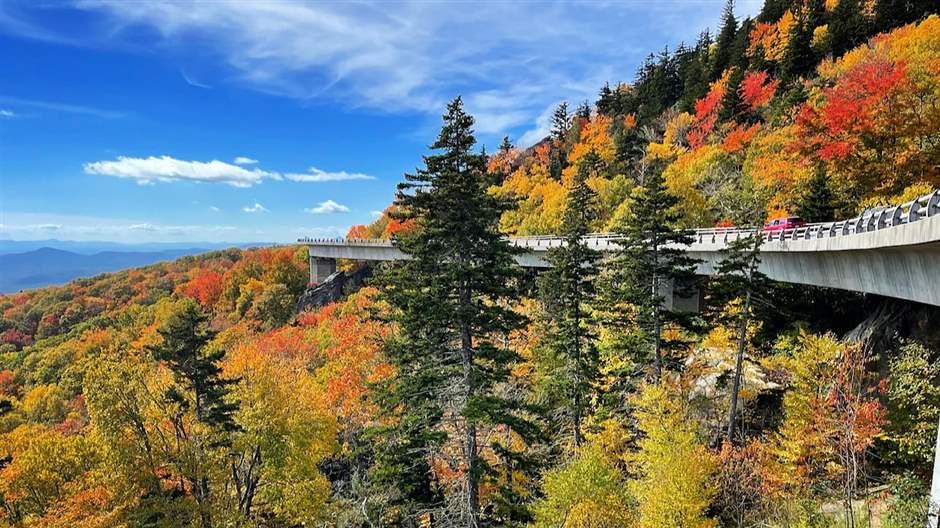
93,247
49,266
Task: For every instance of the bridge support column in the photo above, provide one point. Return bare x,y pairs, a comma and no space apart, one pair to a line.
683,301
321,268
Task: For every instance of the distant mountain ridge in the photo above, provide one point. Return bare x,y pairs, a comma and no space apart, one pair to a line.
83,247
47,266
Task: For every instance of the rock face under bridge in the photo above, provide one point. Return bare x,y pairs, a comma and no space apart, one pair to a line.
332,288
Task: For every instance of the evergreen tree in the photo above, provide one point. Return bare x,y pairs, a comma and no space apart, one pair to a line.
449,303
695,74
561,124
569,358
583,111
649,259
738,278
200,389
799,59
890,14
725,41
772,10
817,205
848,26
732,106
506,145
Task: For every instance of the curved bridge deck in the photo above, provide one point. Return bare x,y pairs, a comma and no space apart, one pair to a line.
890,251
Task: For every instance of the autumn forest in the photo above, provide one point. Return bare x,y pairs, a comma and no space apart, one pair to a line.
458,389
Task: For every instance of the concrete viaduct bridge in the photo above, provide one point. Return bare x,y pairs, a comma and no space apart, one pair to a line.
889,251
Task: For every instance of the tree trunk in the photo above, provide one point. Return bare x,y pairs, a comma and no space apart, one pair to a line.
470,433
739,363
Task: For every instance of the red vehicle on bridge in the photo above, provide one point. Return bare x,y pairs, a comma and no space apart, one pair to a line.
783,223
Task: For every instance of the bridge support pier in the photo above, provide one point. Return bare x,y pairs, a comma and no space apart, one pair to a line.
321,268
687,301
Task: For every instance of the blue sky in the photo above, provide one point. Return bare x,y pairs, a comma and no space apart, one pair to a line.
265,121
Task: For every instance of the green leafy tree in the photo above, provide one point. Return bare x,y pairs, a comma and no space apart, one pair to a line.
566,289
450,303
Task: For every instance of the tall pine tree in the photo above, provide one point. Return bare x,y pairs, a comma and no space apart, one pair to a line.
561,124
649,261
449,302
724,43
567,356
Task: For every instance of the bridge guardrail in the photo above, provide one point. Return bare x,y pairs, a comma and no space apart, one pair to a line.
873,219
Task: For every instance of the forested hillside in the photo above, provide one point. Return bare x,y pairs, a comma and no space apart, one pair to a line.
456,389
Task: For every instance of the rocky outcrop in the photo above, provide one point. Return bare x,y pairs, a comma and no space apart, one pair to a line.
333,288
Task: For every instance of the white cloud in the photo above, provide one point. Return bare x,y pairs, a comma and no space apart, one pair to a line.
7,113
214,209
327,207
375,214
166,169
49,227
146,171
410,55
317,176
257,208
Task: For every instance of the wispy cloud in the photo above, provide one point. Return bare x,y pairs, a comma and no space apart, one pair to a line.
193,82
410,56
214,209
242,160
327,207
39,226
256,208
316,175
7,113
61,107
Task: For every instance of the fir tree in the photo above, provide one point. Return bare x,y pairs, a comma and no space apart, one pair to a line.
848,26
799,59
649,259
817,205
695,74
725,41
201,389
449,302
568,355
561,124
739,279
506,145
583,111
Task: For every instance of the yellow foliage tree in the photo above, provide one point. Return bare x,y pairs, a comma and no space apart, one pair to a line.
676,470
